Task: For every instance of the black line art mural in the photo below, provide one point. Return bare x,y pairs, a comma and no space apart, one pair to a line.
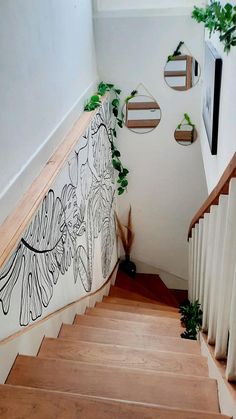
67,227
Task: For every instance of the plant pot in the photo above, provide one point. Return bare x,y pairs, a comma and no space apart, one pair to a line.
128,266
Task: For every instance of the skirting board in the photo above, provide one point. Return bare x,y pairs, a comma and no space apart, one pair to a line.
28,341
227,395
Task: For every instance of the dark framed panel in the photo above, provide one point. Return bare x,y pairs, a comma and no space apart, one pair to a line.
211,94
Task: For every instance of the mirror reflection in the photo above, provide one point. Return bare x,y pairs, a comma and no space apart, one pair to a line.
182,72
142,114
185,134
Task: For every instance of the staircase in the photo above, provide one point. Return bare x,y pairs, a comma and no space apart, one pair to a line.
123,359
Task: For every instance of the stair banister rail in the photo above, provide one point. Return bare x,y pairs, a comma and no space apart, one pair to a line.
212,267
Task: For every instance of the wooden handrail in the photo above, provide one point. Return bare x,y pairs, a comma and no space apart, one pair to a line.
12,229
222,188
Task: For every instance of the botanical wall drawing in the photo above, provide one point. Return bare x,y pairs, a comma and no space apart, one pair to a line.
65,229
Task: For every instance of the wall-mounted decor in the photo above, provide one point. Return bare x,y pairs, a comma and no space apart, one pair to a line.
141,112
211,94
185,133
182,70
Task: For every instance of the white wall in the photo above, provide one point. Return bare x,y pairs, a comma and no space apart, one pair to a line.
166,181
215,165
47,70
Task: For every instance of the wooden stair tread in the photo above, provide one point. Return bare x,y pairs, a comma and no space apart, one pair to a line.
141,304
122,356
169,390
131,339
116,291
154,283
173,327
21,403
129,284
139,310
132,326
148,285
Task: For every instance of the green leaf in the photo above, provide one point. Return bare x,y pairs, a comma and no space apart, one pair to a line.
95,98
118,91
120,123
125,172
124,183
115,103
114,132
116,153
120,190
115,112
116,164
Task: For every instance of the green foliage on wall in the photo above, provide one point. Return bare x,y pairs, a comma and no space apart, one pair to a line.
93,103
219,18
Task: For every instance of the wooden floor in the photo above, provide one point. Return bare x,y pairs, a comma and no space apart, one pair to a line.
123,359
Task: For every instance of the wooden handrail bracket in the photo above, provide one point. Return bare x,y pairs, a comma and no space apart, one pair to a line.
222,188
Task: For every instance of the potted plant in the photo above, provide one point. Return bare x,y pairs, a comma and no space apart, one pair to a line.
126,235
191,319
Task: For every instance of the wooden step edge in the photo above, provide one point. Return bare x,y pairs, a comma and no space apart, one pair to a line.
34,398
96,330
141,304
132,295
115,345
136,309
144,318
158,374
109,317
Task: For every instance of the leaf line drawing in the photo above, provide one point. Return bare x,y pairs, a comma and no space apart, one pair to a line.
65,228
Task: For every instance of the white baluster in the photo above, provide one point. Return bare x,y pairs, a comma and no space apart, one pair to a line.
190,266
216,267
199,259
208,270
195,255
231,357
203,257
227,275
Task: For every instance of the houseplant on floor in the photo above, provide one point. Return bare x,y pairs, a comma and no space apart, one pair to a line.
126,235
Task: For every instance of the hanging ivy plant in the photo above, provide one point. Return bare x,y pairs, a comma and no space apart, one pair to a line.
93,103
219,18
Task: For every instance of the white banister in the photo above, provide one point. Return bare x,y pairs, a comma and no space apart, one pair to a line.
227,275
212,270
231,356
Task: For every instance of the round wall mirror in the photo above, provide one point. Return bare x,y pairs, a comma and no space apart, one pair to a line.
142,114
185,134
182,72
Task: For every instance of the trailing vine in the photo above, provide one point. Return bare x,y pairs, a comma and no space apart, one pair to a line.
218,18
93,103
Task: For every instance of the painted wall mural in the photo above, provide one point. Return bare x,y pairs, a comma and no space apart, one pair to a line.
75,220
